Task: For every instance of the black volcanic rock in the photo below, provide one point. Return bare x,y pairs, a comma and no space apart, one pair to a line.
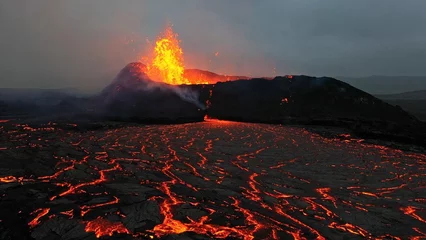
133,96
284,100
305,100
299,97
310,100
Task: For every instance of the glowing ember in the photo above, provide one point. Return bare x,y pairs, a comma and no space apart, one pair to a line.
8,179
283,101
103,227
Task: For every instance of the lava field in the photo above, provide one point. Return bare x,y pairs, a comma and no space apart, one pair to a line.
207,180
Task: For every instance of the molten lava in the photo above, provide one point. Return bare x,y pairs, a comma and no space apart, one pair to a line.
167,63
41,212
103,227
221,181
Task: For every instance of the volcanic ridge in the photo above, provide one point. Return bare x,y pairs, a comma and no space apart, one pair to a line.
280,100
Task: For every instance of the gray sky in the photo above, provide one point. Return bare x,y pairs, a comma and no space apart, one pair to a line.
84,43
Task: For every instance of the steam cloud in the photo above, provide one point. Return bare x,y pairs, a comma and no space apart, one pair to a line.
139,81
188,95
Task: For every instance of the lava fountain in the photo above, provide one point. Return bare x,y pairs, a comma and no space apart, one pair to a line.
167,63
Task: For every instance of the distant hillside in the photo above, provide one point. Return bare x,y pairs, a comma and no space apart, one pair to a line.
386,84
415,107
413,102
414,95
36,96
29,94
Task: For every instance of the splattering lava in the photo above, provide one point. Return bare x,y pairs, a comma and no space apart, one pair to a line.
102,227
215,179
167,64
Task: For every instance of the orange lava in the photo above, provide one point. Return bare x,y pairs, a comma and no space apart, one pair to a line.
411,211
86,208
41,212
8,179
267,198
167,63
103,227
324,193
350,228
69,213
215,120
173,226
423,234
283,213
102,178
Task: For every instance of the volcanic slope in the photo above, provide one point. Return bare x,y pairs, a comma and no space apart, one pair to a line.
310,100
284,100
133,96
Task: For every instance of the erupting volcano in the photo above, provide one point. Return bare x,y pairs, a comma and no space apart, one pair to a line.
166,64
219,177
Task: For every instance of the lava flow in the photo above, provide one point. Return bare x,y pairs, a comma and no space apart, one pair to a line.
207,180
103,227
